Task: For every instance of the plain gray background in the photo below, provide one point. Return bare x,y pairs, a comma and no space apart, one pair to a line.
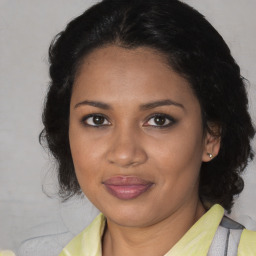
27,28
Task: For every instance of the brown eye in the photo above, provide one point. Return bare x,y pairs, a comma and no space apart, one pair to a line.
98,120
95,120
160,121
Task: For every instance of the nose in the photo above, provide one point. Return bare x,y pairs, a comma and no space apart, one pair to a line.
126,149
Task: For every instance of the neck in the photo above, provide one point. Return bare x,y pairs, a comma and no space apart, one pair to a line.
153,240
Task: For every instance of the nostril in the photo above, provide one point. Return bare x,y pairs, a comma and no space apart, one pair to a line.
126,155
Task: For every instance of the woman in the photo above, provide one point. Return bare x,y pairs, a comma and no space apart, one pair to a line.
147,115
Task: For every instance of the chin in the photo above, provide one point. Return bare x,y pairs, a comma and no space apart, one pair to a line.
131,216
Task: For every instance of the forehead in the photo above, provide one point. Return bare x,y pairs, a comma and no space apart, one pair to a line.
141,73
109,55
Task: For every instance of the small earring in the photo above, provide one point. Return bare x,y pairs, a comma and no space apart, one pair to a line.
210,155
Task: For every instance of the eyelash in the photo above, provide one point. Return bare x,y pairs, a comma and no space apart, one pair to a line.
171,120
165,117
86,118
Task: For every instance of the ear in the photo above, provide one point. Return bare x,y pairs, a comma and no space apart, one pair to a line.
211,143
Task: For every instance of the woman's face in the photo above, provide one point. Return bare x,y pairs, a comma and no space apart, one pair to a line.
136,136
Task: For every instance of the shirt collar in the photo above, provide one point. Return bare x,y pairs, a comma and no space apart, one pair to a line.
196,242
198,239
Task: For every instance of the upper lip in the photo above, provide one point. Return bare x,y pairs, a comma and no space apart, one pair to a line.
126,181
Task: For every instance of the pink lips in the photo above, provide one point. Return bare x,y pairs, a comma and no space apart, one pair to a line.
126,187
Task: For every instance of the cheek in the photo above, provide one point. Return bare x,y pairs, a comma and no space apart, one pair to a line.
83,155
178,157
180,148
82,147
86,169
85,161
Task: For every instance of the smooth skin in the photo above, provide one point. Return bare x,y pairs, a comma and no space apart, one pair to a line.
131,115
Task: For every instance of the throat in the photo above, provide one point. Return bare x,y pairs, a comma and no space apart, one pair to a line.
155,240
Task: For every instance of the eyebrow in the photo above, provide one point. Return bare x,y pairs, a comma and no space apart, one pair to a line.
96,104
150,105
160,103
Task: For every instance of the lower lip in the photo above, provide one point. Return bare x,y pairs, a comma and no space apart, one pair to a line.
127,192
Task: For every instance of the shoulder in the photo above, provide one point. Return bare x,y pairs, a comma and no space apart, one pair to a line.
233,239
243,239
88,242
247,245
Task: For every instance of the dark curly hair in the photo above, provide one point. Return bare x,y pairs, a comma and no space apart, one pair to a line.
193,48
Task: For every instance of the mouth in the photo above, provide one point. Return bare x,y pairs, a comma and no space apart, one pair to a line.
126,187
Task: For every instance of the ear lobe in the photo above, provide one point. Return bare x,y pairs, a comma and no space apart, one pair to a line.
211,146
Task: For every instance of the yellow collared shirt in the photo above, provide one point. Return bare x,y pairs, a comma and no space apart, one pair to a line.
196,241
